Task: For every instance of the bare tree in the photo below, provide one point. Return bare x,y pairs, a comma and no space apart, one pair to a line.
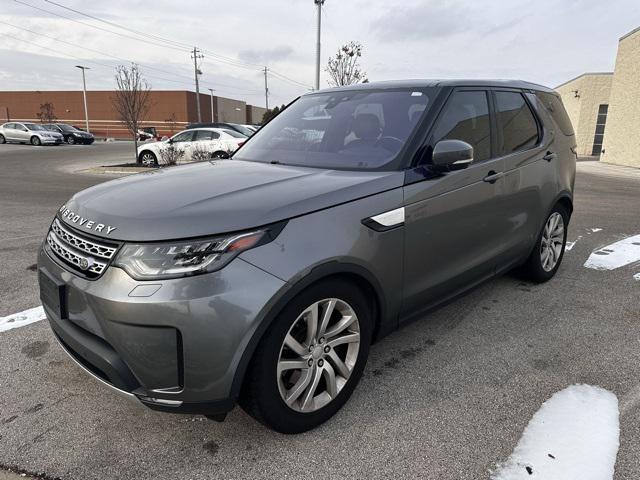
132,100
46,114
344,68
172,122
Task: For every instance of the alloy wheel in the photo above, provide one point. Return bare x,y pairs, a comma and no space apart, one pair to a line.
148,160
552,242
318,355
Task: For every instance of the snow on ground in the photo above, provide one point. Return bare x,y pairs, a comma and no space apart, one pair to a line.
574,436
636,276
618,254
21,319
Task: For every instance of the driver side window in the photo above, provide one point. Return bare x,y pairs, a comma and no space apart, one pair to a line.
466,117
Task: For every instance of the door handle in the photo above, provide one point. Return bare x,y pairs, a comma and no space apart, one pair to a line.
492,176
550,156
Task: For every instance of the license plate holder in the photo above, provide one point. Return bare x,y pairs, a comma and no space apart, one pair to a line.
53,294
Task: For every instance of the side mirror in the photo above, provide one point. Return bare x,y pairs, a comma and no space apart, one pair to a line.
452,153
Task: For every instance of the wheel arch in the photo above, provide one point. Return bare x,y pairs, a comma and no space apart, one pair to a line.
354,273
146,150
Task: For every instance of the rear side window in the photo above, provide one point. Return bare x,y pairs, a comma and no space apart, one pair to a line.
518,125
466,118
554,106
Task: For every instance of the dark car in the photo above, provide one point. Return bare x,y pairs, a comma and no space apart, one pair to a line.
263,279
71,134
247,132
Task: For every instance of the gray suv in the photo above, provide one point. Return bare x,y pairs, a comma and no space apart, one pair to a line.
263,279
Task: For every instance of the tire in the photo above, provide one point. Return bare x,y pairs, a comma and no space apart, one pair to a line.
265,388
71,140
148,159
2,139
546,257
35,141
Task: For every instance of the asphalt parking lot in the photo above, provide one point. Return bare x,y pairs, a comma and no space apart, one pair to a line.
446,397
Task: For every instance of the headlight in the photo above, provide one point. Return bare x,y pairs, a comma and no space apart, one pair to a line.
151,261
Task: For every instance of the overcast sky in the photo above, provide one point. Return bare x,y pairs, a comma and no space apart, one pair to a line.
544,41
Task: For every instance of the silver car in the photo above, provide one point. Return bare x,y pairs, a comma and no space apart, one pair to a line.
26,132
263,279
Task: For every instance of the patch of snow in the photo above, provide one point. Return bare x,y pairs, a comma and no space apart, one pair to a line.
569,245
618,254
637,277
574,436
21,319
594,230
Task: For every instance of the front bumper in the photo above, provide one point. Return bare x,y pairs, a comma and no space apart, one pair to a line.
173,345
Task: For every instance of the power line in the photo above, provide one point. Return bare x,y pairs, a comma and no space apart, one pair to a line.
95,51
175,44
97,27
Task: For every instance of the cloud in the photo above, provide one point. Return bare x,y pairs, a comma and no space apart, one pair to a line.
427,20
281,52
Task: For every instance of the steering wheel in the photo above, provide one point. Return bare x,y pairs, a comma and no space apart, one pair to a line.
392,144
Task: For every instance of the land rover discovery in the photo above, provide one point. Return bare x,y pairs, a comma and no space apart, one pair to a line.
263,279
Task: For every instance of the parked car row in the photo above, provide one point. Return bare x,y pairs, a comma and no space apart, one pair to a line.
193,144
246,130
47,134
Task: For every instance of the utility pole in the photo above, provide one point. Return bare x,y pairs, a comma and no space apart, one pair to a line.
197,55
84,96
266,89
319,3
212,117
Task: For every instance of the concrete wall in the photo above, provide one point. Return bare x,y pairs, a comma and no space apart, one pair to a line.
230,110
594,89
622,132
254,114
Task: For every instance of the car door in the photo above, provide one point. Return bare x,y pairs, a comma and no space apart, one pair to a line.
9,131
529,183
22,133
205,141
453,224
182,141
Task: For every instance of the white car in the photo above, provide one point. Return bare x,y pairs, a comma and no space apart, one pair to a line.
26,132
195,144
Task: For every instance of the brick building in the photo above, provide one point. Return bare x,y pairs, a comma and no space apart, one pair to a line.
170,110
605,107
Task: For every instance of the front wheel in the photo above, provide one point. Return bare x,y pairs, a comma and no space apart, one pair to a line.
71,140
148,159
311,359
545,259
35,141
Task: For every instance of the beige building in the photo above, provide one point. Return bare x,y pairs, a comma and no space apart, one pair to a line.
604,107
586,99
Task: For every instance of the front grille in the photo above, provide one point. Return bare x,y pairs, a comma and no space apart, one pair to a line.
86,257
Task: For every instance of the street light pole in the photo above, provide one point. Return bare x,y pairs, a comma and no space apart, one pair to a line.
84,96
212,90
319,3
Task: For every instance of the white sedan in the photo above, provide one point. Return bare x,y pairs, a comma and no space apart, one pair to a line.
190,146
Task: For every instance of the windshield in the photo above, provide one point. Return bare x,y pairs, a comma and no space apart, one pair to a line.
354,130
233,133
67,128
33,126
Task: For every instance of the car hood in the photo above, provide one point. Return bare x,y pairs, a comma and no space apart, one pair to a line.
214,197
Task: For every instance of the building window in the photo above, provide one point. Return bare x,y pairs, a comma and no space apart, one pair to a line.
599,134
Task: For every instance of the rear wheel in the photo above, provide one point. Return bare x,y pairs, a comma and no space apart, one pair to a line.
311,359
35,141
2,139
220,154
71,140
545,259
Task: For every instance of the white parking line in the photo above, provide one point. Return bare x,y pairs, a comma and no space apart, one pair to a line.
21,319
574,436
616,255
